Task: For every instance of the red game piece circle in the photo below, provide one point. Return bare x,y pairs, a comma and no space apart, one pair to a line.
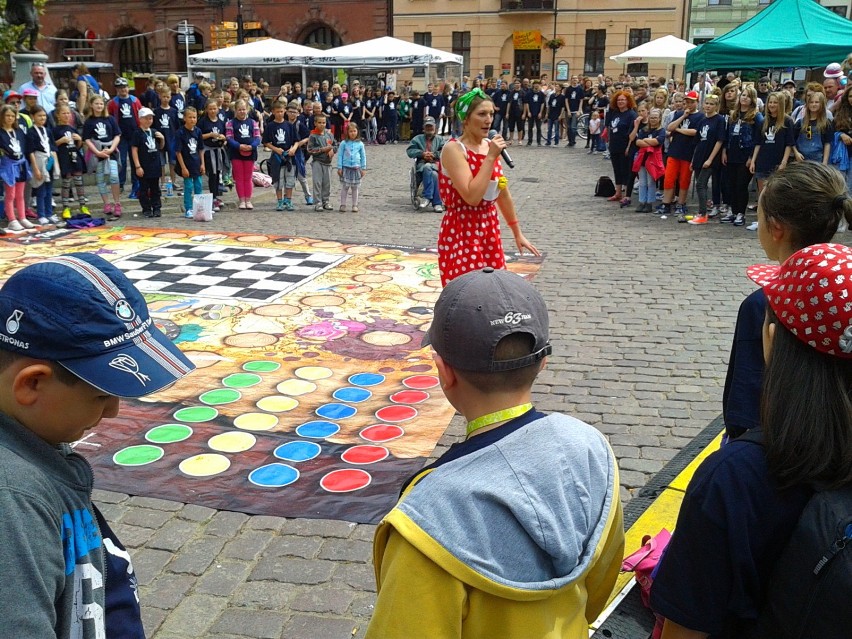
396,413
346,480
365,454
409,397
381,433
421,382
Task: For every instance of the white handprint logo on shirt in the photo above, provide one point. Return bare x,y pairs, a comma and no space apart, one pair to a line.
281,136
15,147
125,110
164,120
192,145
770,134
244,130
150,143
100,130
704,131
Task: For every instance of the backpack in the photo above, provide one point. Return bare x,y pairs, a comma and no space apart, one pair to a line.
810,585
382,137
604,187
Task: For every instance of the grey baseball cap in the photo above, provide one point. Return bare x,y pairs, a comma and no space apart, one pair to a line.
428,121
478,309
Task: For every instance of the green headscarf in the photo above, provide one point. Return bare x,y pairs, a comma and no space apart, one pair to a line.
463,102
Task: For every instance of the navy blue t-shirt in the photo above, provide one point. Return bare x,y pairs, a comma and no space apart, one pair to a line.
125,115
216,125
733,525
772,145
620,124
148,150
710,131
741,397
434,104
555,104
166,122
535,102
102,129
682,146
179,103
574,97
742,136
516,102
189,145
280,134
501,100
39,138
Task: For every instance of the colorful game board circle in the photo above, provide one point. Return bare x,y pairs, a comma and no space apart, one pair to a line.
361,250
336,411
421,382
366,379
317,429
250,340
346,480
365,454
352,394
313,373
297,451
273,475
232,442
255,421
379,433
196,414
204,465
277,310
168,434
261,366
397,413
138,455
220,396
253,238
372,278
321,301
241,380
296,387
426,297
409,397
386,338
277,404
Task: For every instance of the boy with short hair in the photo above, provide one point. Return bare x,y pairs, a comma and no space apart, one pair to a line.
516,531
166,122
534,103
125,109
279,137
321,147
190,156
76,338
145,147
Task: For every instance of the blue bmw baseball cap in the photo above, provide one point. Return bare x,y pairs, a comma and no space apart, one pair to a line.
82,312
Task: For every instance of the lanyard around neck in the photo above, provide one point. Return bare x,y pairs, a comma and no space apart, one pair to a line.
498,416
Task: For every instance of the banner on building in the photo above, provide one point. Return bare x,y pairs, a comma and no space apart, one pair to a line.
526,40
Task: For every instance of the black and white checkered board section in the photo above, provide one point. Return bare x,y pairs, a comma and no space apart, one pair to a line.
215,270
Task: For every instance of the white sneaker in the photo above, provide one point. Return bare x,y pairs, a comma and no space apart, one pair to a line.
423,202
43,221
14,227
438,208
26,224
752,227
54,219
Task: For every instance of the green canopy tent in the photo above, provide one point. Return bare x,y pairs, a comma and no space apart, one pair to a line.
787,33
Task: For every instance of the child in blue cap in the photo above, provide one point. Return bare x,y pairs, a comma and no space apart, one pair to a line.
75,336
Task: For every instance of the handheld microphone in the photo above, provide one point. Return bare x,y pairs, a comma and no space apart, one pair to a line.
504,153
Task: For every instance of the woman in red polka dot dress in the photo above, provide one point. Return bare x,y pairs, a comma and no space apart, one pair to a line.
472,188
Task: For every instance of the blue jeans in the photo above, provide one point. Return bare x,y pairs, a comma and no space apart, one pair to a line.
123,153
191,186
572,130
647,187
553,131
44,199
429,177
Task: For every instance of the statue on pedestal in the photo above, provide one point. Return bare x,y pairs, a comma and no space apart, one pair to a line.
23,12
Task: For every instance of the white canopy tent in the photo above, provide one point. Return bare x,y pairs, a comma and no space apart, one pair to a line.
261,53
384,53
668,50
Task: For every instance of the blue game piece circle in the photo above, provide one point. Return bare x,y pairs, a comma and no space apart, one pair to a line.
297,451
336,411
352,394
317,429
273,475
366,379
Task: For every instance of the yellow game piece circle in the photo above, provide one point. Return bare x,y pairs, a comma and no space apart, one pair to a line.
232,442
256,421
296,387
204,465
277,403
313,373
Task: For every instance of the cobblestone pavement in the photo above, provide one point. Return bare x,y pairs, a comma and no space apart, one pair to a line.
642,312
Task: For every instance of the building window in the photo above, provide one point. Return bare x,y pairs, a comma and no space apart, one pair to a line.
196,45
595,48
718,3
461,46
424,39
638,37
134,56
839,10
74,47
322,38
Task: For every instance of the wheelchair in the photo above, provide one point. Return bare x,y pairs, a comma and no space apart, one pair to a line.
415,185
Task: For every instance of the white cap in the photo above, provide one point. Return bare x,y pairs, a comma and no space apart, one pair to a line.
145,111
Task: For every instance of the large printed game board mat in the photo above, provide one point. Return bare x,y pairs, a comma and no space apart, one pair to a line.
312,395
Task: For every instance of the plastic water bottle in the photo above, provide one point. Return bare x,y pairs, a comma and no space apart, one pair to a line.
170,189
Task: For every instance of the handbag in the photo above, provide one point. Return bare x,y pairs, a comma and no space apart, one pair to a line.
643,563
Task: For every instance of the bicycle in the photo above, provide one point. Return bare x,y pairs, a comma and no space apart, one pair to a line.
583,126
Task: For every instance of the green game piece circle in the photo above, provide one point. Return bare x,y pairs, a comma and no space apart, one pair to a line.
138,455
241,380
195,414
261,366
220,396
168,434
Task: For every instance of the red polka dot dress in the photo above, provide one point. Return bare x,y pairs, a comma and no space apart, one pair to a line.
469,238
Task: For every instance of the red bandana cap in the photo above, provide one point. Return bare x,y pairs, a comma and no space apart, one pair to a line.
810,294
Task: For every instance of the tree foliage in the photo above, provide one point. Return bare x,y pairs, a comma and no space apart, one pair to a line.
9,33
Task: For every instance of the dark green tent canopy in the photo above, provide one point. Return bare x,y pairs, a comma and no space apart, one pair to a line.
788,33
